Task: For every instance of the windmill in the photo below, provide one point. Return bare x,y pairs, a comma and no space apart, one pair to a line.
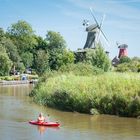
122,53
122,50
94,32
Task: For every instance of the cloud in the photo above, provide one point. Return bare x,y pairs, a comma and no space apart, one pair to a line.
123,1
110,7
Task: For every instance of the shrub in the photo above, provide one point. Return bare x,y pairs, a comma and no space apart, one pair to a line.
134,107
81,69
98,58
109,93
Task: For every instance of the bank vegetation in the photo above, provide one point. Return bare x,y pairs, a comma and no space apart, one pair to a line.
107,93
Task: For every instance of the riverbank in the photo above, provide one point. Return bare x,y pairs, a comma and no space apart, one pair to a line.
109,93
13,82
17,79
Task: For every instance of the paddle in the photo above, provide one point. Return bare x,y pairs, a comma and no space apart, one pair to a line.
46,118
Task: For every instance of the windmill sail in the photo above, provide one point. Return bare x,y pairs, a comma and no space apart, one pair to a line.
94,31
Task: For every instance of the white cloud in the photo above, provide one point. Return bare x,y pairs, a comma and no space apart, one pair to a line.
110,7
123,1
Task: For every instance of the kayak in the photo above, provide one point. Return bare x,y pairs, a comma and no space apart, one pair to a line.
45,123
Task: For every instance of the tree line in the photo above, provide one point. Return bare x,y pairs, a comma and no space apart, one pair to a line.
21,48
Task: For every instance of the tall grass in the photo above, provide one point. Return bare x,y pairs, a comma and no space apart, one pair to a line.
109,93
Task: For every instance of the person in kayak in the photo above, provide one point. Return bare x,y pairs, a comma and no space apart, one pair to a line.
41,118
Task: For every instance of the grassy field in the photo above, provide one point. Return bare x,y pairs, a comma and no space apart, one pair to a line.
109,93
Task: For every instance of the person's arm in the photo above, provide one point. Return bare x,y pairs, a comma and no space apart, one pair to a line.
40,119
44,119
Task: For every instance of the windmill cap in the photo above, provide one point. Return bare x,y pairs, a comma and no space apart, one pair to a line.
123,46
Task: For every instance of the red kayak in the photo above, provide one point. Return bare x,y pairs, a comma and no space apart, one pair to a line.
45,123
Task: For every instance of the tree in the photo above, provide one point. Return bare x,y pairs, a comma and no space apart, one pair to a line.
65,58
98,58
55,41
41,61
5,62
56,49
41,43
11,50
27,59
20,66
23,36
2,34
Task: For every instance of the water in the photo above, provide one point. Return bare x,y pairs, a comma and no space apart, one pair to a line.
16,109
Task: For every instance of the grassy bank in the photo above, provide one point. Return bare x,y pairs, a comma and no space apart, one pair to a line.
110,93
17,77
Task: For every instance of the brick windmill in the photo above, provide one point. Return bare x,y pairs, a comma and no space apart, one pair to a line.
122,50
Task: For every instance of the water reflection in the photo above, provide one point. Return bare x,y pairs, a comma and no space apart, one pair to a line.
16,109
41,129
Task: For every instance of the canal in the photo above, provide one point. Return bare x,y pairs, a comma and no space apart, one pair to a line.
16,109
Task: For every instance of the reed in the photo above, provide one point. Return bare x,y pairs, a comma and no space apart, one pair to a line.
109,93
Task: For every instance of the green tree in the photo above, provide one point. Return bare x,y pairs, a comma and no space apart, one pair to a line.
98,58
65,58
56,48
41,44
41,61
27,59
55,41
11,50
20,66
2,34
23,36
5,62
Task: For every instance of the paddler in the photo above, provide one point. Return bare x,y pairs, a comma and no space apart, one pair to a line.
41,118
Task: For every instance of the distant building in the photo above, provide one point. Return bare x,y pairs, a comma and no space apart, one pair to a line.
122,50
115,61
80,54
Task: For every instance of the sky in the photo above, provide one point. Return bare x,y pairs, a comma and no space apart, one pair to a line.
121,23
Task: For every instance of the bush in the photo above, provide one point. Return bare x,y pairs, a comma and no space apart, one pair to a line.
8,78
134,107
62,100
125,59
109,93
98,58
81,69
130,66
32,77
